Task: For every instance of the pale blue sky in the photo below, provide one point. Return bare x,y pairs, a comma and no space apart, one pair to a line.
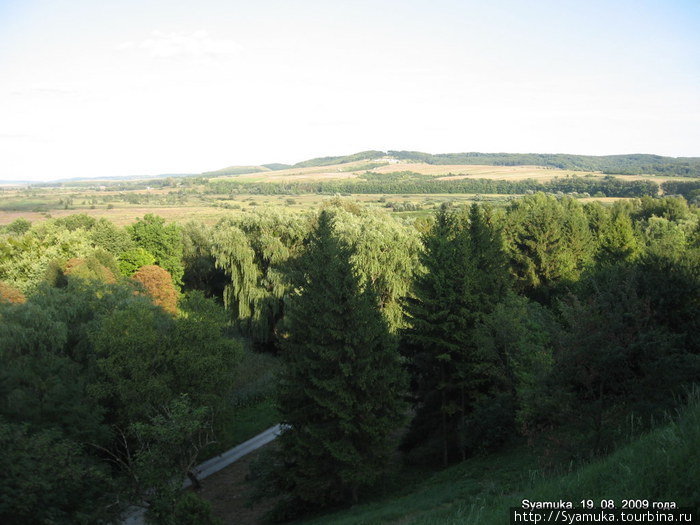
102,88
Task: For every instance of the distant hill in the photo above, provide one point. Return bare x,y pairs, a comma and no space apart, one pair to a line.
629,164
235,170
275,166
232,171
329,161
632,164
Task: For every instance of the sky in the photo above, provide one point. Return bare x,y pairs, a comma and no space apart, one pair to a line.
122,87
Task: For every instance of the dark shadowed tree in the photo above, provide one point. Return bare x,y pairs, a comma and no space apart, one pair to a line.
466,276
340,393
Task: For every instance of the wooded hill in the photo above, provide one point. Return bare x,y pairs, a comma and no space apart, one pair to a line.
631,164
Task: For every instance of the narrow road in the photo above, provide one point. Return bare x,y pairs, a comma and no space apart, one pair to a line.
134,515
216,463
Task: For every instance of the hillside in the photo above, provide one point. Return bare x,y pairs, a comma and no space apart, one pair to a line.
663,465
455,163
632,164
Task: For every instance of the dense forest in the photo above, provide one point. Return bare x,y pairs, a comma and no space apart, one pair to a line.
544,321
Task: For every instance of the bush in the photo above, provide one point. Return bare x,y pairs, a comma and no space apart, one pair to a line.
159,286
132,260
11,294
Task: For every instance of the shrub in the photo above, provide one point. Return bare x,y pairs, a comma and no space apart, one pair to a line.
11,294
159,286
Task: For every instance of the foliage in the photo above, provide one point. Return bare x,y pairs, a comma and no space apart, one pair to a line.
564,323
688,189
92,373
674,209
481,489
465,276
24,260
39,384
110,237
46,478
133,259
88,268
549,242
163,241
614,358
11,294
190,509
615,237
385,255
328,161
164,450
159,286
407,182
18,226
201,272
516,337
663,237
252,251
77,221
341,387
190,352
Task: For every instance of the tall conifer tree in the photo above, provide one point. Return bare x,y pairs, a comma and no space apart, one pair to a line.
341,390
465,276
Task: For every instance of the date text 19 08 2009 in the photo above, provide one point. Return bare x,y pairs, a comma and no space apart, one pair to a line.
642,504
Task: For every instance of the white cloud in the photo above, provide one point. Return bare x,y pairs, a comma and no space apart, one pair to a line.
197,45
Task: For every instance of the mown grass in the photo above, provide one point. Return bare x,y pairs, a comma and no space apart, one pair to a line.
662,465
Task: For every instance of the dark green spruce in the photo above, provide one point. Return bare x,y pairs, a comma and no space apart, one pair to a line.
466,275
341,391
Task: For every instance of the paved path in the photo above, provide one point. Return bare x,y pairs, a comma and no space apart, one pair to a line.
221,461
134,516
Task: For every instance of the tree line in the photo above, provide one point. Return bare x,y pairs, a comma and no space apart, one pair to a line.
409,182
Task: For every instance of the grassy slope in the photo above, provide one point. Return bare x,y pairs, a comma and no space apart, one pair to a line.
663,465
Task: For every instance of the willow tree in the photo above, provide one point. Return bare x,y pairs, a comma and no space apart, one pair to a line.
259,253
385,254
255,252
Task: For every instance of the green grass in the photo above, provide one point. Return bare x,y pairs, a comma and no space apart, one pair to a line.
663,465
250,421
242,424
252,407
